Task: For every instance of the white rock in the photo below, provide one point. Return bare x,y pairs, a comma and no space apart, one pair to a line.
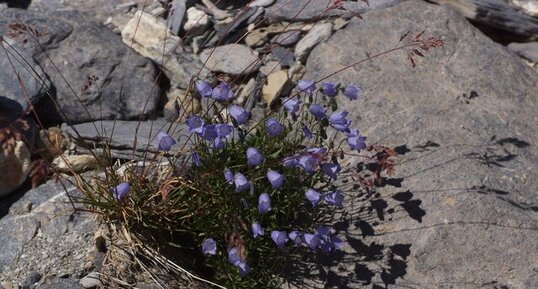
318,33
14,167
276,81
197,21
75,163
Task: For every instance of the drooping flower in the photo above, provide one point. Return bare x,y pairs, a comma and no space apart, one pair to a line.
241,183
292,105
317,152
329,88
254,157
280,238
306,132
229,176
331,169
323,232
296,237
196,159
121,190
306,86
334,198
257,230
308,163
164,142
313,196
222,92
274,128
203,88
317,110
217,144
352,92
355,140
223,130
209,132
275,178
264,203
233,256
311,240
240,115
195,124
290,161
339,122
209,247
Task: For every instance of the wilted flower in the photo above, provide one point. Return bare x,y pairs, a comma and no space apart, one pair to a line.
307,133
329,88
311,240
280,238
313,196
334,198
240,115
292,105
306,86
330,169
274,127
275,178
196,159
355,140
203,88
257,230
222,92
121,190
264,203
352,92
229,176
339,122
317,110
254,157
296,237
209,247
164,142
195,124
241,183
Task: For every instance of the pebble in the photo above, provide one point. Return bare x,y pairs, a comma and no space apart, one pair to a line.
197,21
317,34
91,280
287,38
234,59
270,67
176,14
276,82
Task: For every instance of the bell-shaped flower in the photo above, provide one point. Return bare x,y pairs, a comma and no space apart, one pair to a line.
196,159
239,114
325,246
222,92
241,183
323,232
223,130
317,152
264,203
257,230
313,196
164,142
331,170
296,237
203,88
308,163
275,178
306,86
334,198
229,176
329,88
290,161
195,124
339,122
209,132
280,238
355,140
317,110
292,105
209,247
254,157
234,257
121,190
311,240
352,92
274,128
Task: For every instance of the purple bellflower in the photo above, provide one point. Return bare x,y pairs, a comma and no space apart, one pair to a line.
317,110
264,203
196,159
257,230
280,238
296,237
121,190
306,132
339,122
195,124
209,247
306,86
223,130
312,240
164,141
334,198
203,88
352,92
274,128
254,157
229,176
241,183
329,88
275,178
292,105
355,140
330,169
239,114
313,196
222,92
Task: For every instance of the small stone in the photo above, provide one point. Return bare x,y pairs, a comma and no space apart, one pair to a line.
261,3
217,13
234,59
91,280
75,163
247,90
340,23
270,67
276,82
31,279
176,14
284,56
287,38
317,34
14,165
256,38
197,21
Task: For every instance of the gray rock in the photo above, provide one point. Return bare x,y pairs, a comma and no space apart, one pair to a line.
91,280
19,64
62,283
175,18
528,51
287,38
464,120
31,279
284,56
304,10
261,3
319,33
234,59
16,232
100,77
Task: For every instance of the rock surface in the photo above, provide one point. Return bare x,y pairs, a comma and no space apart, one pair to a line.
319,33
234,59
100,77
465,123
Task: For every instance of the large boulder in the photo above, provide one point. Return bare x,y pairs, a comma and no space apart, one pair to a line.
465,123
94,75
